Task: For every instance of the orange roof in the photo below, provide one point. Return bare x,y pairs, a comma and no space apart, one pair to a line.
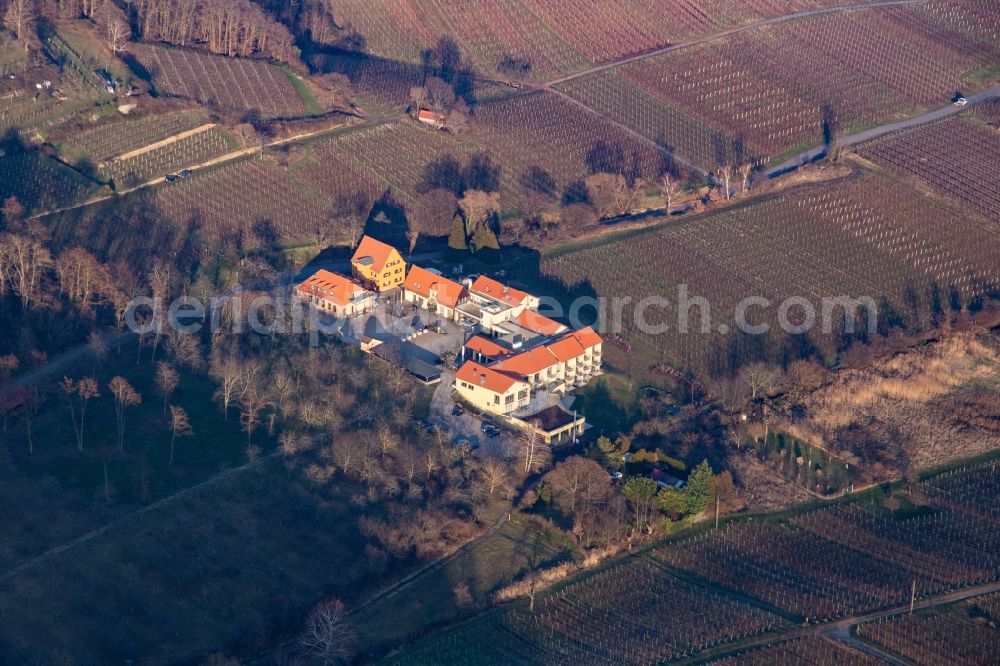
374,250
331,287
567,348
587,337
529,362
538,323
489,287
480,375
421,281
487,347
429,116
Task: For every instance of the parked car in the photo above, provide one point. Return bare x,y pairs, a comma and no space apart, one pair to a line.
171,177
616,476
487,426
961,101
457,410
184,173
493,432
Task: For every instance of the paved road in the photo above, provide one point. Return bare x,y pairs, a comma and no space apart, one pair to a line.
876,132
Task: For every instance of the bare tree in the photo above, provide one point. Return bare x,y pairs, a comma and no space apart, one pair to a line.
116,34
180,426
494,475
745,170
760,378
26,260
532,450
328,635
725,173
167,380
125,396
78,394
19,18
251,406
29,412
670,189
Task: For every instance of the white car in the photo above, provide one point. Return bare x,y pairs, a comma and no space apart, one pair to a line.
961,101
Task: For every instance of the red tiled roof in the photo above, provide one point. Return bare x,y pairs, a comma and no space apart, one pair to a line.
529,362
489,287
538,323
421,281
587,337
430,117
487,347
567,348
332,287
480,375
376,250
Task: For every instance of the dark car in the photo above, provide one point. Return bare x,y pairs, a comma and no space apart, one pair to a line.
493,432
486,426
457,410
184,173
171,177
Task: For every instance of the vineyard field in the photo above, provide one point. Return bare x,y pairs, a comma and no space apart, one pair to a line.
693,597
863,237
814,650
556,38
645,615
777,87
124,134
41,183
956,158
189,151
231,84
965,633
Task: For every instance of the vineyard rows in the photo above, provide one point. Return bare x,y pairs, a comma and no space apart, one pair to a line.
965,633
555,37
720,587
40,183
835,562
111,139
814,650
861,238
771,89
957,158
233,197
234,84
634,613
185,152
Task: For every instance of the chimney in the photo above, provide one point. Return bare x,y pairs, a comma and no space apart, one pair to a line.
482,379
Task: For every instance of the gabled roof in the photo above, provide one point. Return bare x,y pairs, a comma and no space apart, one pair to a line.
480,375
567,348
487,347
373,253
428,116
529,362
332,287
587,337
421,281
487,286
537,323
